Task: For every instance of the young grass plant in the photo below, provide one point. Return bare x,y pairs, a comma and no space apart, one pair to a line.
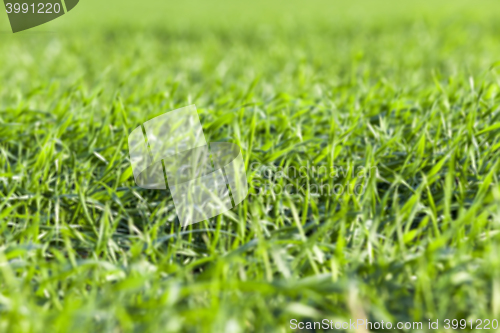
413,99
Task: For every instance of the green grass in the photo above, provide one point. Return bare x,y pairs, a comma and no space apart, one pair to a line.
411,91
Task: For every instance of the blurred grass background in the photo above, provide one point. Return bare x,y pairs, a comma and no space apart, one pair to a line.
410,88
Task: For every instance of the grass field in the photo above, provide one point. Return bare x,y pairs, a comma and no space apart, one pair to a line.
408,90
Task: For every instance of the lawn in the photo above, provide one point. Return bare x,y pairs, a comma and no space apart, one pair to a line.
371,136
